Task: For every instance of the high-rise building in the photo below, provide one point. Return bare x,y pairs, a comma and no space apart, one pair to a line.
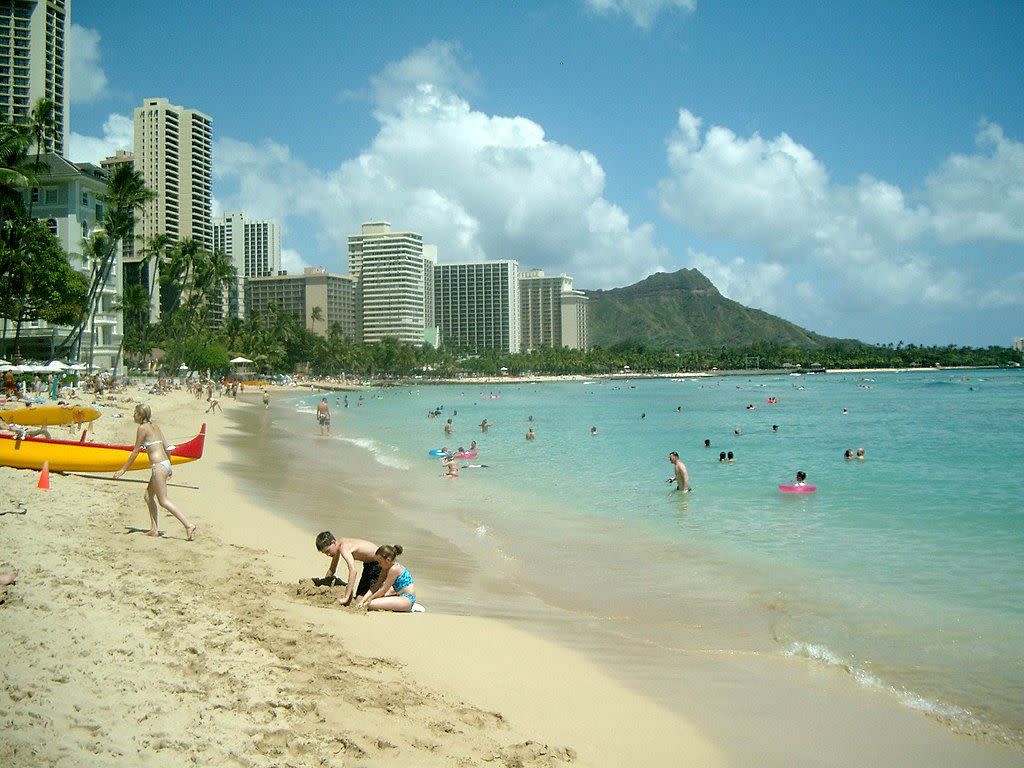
173,154
552,314
320,300
1018,344
68,200
254,245
395,277
477,305
32,64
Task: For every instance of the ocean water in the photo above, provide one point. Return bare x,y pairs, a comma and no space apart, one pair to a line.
905,569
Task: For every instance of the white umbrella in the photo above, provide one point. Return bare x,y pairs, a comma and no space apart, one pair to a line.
5,362
241,360
56,365
78,367
182,367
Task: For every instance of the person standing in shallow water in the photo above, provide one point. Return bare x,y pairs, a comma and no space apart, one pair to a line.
323,417
150,439
680,476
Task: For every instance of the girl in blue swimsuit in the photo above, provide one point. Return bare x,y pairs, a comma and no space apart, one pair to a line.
394,589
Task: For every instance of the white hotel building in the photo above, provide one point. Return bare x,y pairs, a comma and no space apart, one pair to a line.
173,147
477,305
254,247
395,275
552,314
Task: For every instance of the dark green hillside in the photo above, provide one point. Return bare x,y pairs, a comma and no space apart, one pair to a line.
683,310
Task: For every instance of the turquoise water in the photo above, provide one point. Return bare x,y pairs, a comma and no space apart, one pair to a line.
906,569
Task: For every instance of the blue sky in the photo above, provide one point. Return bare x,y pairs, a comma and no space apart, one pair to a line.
855,168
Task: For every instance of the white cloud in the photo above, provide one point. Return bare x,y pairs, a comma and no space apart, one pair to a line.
292,262
477,185
865,240
88,81
757,284
981,196
118,133
643,12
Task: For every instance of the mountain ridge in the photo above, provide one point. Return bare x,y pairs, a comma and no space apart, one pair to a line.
684,310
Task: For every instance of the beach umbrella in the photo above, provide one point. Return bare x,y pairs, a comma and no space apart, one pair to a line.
78,367
182,367
5,362
57,365
241,360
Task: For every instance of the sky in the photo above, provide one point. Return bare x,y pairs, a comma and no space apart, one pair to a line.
856,168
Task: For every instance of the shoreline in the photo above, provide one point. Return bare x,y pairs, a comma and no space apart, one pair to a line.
210,637
272,676
799,686
330,386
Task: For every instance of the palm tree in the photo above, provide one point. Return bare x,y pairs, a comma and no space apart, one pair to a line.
125,193
16,170
40,125
317,316
155,249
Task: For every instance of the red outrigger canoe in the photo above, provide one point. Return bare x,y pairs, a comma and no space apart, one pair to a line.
80,456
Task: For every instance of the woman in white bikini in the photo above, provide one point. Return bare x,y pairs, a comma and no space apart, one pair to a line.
151,439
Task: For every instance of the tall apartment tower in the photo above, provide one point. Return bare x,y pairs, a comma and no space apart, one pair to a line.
254,245
173,154
552,314
395,275
32,64
477,305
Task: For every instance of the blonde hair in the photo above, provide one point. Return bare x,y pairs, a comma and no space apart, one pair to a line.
145,411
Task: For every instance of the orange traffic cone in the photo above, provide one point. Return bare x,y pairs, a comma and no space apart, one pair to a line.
44,477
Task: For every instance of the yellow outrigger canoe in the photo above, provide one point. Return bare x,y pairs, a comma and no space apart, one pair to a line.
80,456
49,415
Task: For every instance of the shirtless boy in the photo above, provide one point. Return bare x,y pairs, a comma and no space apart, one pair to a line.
350,550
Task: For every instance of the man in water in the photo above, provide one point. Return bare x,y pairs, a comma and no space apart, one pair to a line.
323,417
681,478
484,425
593,431
350,550
448,428
530,434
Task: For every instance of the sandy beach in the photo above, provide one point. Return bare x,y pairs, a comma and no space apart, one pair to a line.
125,650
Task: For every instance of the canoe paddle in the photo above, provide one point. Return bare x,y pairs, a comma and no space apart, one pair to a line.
125,480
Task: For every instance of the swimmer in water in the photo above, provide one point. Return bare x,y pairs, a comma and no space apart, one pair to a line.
484,425
801,478
679,409
448,427
848,454
680,477
860,454
472,446
775,427
721,456
845,412
707,443
593,431
729,457
737,431
530,434
643,416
